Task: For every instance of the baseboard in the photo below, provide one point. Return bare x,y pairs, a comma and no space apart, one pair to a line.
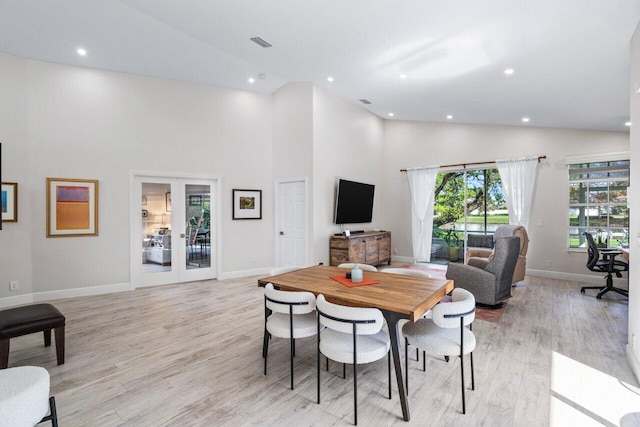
63,293
245,273
17,300
633,361
582,278
81,292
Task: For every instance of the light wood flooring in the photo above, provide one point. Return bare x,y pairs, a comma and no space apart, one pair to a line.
190,354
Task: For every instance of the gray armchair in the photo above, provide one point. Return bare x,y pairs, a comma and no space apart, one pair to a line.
488,280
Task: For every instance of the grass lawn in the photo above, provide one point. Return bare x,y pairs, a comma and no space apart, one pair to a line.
491,219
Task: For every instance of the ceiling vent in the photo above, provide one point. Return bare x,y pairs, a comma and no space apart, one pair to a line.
365,101
260,41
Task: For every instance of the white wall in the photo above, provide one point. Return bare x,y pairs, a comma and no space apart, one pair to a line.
347,143
633,349
85,123
15,237
292,154
412,144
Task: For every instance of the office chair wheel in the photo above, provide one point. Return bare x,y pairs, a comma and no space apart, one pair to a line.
599,296
582,291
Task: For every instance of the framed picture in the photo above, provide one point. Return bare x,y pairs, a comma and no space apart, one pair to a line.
167,201
195,200
247,204
145,213
72,207
9,202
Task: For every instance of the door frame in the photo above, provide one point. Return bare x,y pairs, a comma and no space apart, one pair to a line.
134,215
278,214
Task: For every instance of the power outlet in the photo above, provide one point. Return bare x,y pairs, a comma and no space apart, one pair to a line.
14,285
548,263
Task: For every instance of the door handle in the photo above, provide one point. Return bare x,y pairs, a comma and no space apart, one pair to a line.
282,233
182,235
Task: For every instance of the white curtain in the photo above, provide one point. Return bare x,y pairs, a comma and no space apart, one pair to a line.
518,178
422,183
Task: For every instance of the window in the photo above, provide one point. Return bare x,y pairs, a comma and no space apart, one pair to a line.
466,201
598,202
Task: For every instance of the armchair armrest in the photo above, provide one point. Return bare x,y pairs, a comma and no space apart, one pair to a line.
478,262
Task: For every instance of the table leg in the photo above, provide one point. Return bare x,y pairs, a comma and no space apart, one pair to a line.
392,322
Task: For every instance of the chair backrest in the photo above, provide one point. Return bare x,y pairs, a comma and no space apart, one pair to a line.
288,302
407,272
284,269
593,255
462,305
480,240
514,230
341,318
365,267
503,263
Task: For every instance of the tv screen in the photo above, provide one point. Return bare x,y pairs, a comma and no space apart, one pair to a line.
354,202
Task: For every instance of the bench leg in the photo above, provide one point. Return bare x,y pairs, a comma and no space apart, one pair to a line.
4,353
59,344
47,337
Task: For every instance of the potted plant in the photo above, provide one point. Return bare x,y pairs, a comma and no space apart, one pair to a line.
453,243
601,239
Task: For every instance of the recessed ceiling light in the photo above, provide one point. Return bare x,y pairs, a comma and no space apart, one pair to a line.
449,117
330,79
525,119
509,71
81,52
628,124
252,80
403,76
391,114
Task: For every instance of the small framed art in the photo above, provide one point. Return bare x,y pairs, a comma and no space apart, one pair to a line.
9,202
247,204
72,207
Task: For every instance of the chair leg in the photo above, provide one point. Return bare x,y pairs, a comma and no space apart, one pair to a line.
355,392
59,333
53,414
417,354
265,349
424,361
462,381
47,337
292,355
473,383
4,353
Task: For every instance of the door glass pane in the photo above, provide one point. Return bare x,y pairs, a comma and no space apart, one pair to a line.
198,225
156,227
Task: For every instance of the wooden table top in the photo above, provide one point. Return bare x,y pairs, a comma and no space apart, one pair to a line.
407,295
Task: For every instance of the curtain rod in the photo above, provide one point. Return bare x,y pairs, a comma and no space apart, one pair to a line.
464,165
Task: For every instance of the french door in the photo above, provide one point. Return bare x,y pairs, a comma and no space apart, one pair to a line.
173,230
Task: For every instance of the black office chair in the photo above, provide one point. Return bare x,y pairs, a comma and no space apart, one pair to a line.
607,264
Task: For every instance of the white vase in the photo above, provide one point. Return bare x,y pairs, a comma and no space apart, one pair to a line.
356,274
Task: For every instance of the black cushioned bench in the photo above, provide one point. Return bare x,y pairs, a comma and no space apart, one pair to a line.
15,322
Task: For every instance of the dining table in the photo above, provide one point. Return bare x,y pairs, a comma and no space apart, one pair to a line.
397,296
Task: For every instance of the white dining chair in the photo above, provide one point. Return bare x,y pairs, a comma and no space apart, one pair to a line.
351,335
24,397
407,272
364,267
288,315
445,333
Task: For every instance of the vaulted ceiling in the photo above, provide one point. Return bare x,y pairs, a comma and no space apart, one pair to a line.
417,59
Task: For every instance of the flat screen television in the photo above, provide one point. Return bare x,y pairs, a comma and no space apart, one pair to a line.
354,202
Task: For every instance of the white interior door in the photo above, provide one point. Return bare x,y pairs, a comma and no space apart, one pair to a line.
173,231
291,239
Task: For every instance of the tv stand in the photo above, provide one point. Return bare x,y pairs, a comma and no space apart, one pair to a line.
365,247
